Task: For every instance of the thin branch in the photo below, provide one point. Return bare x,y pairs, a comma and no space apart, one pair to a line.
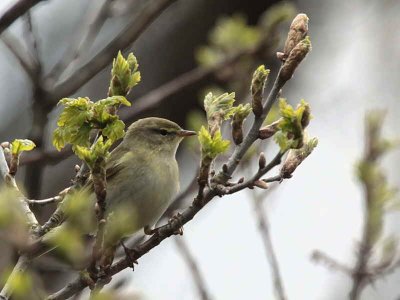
193,267
24,59
261,172
323,258
81,44
126,37
43,202
18,9
32,38
263,226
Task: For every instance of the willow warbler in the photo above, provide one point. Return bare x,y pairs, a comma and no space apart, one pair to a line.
142,172
142,179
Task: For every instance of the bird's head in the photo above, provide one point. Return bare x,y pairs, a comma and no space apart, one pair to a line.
155,134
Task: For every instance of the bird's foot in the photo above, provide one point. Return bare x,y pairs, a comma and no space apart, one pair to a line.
130,253
177,218
148,230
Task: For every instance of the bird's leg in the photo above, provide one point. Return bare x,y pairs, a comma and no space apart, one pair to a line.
128,253
148,230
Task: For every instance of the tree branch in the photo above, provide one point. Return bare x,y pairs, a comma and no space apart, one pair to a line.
126,37
269,248
193,267
24,59
81,44
18,9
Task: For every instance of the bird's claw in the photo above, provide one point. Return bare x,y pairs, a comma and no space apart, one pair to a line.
148,230
177,218
129,256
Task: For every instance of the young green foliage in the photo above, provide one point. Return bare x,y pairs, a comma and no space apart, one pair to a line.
18,146
97,150
230,35
124,75
240,114
291,125
212,146
260,76
218,109
81,115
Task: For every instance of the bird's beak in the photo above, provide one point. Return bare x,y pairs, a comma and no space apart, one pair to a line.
184,133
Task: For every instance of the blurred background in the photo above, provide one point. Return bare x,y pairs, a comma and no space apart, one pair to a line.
65,49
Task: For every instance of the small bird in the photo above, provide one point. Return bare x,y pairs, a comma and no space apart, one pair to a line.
142,172
142,180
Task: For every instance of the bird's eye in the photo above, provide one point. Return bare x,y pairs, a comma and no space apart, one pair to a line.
163,132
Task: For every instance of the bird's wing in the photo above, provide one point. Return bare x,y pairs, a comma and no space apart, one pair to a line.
114,162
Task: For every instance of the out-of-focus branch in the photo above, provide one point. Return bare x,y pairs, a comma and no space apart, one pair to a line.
32,39
321,257
263,226
31,221
126,37
18,9
193,267
81,44
24,59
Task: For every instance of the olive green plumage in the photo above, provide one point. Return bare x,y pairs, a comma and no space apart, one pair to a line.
142,180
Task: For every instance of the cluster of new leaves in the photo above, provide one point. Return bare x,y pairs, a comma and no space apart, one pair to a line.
292,124
218,109
80,115
124,75
211,146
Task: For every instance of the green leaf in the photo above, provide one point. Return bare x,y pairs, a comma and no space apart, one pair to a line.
113,100
124,75
221,106
212,146
241,112
292,124
18,146
115,130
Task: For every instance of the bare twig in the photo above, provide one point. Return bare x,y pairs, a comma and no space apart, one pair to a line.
24,59
46,201
323,258
261,172
18,9
32,38
193,267
263,226
126,37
